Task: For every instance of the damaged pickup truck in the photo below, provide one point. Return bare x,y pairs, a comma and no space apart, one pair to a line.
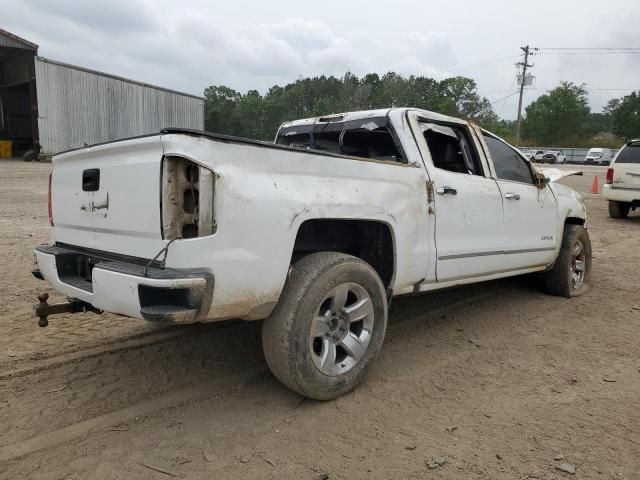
315,233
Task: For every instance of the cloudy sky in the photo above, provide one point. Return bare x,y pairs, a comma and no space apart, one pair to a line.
189,45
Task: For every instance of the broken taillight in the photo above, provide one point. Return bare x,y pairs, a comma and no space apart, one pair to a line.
50,206
609,179
187,199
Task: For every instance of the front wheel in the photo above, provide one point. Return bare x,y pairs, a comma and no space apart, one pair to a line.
571,271
619,209
328,326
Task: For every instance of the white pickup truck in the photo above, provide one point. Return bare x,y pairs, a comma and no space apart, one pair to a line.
315,232
622,185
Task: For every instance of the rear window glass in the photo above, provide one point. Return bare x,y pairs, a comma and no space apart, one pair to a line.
367,138
629,154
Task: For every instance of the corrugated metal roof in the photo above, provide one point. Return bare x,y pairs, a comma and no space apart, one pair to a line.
115,77
8,39
78,107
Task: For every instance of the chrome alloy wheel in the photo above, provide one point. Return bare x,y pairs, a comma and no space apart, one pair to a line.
341,329
578,265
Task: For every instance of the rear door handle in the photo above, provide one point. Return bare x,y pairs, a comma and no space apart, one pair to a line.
446,191
512,196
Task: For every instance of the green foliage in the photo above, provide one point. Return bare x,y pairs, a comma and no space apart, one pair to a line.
573,142
559,118
258,116
626,116
503,128
562,112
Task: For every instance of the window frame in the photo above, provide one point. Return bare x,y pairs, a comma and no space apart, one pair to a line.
338,123
527,162
470,138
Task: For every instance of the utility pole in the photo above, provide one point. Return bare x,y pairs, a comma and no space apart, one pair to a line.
523,80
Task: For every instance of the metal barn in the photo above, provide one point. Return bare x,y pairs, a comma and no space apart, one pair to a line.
48,106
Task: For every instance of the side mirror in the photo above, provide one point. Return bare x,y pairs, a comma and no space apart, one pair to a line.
540,179
543,182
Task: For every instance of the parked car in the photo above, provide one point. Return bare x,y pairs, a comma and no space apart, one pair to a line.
537,155
598,156
314,233
622,185
528,154
553,157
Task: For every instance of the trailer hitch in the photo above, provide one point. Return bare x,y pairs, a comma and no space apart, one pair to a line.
43,309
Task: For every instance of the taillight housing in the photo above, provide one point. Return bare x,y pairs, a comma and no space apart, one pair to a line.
609,179
49,205
187,199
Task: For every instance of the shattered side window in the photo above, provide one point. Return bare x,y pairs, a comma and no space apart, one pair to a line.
451,148
299,137
367,138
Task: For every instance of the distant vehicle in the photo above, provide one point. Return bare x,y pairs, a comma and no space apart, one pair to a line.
622,186
598,156
528,154
554,156
537,155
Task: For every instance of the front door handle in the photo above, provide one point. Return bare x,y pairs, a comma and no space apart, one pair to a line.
446,191
512,196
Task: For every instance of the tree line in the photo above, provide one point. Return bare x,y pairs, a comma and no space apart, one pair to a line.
560,117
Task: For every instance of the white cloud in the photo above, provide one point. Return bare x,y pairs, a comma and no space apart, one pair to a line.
247,45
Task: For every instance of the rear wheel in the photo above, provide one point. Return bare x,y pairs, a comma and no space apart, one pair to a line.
571,272
328,325
619,209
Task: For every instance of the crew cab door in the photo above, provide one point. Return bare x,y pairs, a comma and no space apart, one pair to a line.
467,202
530,221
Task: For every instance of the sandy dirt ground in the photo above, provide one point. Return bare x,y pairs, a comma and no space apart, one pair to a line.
490,381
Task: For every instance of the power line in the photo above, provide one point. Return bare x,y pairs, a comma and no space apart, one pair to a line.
598,89
508,90
488,62
504,98
626,52
589,48
610,89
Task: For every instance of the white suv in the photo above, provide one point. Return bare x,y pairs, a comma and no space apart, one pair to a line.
622,187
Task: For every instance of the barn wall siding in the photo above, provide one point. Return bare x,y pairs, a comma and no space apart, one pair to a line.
78,107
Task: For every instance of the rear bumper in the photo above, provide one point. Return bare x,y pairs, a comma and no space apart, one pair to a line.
121,285
621,194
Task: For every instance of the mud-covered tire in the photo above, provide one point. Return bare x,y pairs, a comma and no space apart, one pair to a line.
287,335
561,280
618,209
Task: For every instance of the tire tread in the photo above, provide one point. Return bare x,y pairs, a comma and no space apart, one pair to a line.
278,332
557,281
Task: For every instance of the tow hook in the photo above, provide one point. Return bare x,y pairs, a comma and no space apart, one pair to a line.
43,309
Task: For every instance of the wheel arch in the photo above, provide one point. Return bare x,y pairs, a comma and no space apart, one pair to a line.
370,240
574,221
